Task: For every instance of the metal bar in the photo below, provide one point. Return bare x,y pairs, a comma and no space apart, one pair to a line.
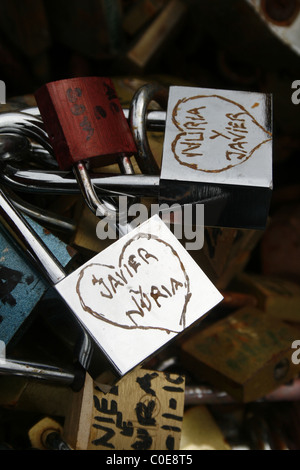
205,395
39,372
48,218
26,125
100,207
62,182
22,233
54,441
155,119
138,124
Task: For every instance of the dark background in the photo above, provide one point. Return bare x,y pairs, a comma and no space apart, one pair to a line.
214,44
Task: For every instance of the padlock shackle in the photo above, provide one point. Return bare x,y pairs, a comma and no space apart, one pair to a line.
29,123
33,127
44,373
87,189
155,120
25,237
47,218
26,125
33,371
60,182
101,208
137,122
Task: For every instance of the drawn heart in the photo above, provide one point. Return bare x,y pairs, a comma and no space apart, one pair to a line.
147,288
216,133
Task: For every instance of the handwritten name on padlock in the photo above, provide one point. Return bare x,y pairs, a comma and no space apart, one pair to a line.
139,293
213,131
150,292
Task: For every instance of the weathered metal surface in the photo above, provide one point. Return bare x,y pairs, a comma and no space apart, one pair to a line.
282,18
276,296
248,354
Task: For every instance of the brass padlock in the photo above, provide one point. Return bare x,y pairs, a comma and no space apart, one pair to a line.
248,354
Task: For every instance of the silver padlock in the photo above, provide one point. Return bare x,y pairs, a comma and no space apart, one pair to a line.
218,150
133,297
137,118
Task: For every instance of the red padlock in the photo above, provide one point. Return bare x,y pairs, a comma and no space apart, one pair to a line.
84,120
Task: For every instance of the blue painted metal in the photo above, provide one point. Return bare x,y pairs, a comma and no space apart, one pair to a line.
21,286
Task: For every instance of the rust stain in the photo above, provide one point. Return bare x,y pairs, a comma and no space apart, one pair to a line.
72,252
280,13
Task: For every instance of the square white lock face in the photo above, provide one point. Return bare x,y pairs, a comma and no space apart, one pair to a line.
138,294
218,136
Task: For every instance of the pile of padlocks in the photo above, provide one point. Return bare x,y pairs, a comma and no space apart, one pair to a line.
124,236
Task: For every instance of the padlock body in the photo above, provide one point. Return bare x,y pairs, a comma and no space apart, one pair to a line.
85,121
218,151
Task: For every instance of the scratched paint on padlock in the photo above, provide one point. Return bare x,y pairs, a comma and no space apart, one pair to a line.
139,293
21,287
223,135
143,411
